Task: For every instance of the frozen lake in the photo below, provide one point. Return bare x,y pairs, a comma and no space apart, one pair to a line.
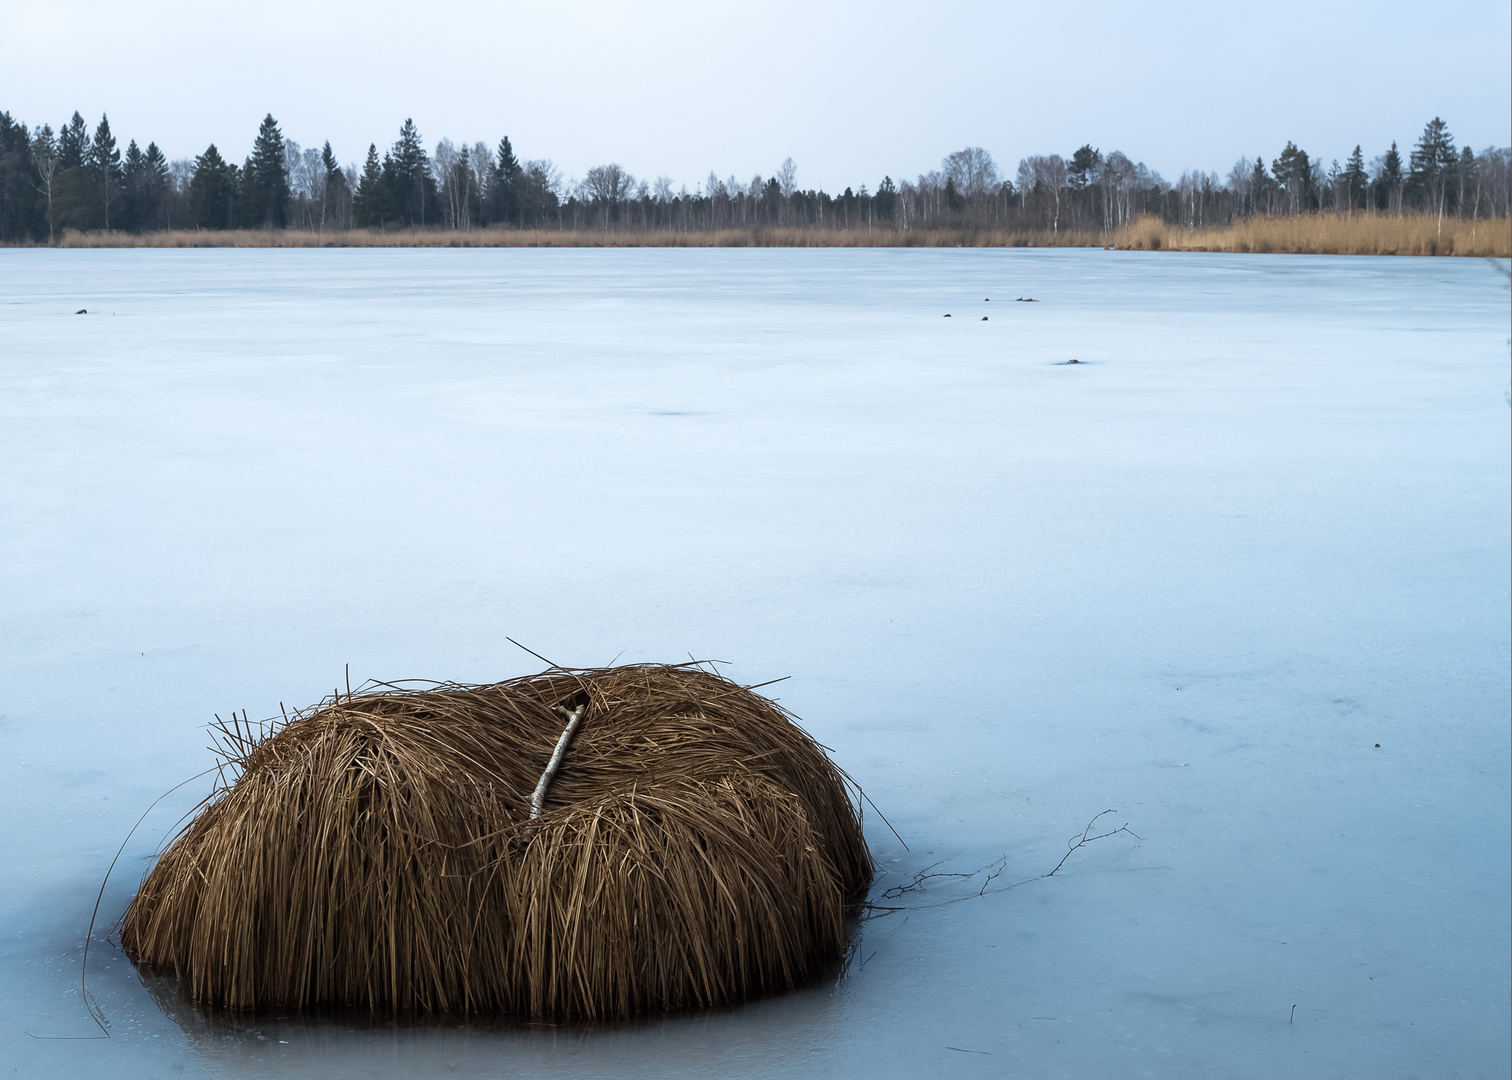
1241,574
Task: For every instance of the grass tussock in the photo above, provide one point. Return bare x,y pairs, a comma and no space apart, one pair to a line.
695,848
1328,234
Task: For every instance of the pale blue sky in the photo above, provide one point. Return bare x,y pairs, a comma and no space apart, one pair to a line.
850,90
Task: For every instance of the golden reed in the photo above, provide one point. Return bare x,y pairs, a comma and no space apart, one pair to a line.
1304,234
1328,234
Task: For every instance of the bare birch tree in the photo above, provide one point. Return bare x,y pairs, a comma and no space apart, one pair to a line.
44,150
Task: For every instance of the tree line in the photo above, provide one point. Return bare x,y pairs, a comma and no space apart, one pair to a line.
78,178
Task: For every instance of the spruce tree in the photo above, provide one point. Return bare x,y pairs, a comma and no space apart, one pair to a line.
367,201
74,203
212,191
155,184
1464,176
1356,179
504,186
412,187
335,183
157,165
146,175
21,203
1389,181
133,188
104,163
265,180
73,143
1259,187
1431,164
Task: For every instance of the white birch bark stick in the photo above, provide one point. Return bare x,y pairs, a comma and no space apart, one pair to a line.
538,797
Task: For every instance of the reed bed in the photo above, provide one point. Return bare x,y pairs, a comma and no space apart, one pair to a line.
695,848
1329,234
1303,234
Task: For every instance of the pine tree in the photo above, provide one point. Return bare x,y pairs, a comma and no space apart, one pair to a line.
212,191
265,179
1081,177
1293,171
1082,172
1356,179
367,202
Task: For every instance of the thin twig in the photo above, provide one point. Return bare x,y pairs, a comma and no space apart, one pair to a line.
993,870
867,799
920,880
769,682
1076,842
554,665
1002,864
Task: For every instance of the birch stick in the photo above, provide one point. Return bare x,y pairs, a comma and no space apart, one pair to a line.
538,797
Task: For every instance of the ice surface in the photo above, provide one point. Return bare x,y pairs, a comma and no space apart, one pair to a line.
1262,527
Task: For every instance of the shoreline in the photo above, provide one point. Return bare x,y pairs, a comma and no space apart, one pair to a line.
1314,234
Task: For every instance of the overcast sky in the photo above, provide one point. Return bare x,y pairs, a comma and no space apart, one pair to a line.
851,91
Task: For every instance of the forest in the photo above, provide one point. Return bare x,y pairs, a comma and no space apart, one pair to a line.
78,180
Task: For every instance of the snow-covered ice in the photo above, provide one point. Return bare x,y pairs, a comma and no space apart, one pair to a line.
1260,528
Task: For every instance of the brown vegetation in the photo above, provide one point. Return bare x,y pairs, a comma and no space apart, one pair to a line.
1329,234
1304,234
695,848
748,236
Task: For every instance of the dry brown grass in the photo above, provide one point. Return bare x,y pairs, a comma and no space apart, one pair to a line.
1306,234
696,848
1328,234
